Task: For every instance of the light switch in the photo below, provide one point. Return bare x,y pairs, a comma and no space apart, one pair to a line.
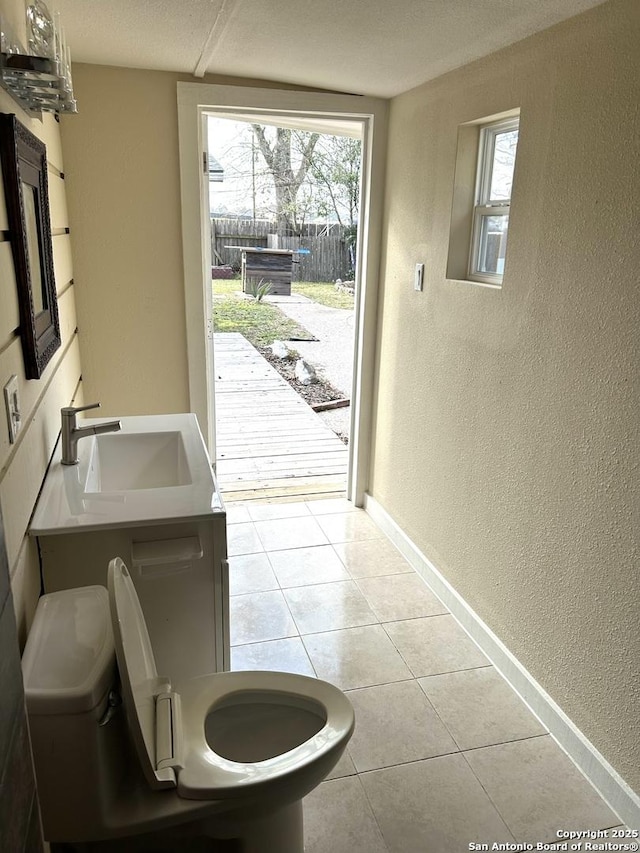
12,404
418,277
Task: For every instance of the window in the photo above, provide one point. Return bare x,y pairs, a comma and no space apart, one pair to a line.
496,161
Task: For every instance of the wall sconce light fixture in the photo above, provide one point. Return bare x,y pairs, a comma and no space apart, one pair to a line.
40,79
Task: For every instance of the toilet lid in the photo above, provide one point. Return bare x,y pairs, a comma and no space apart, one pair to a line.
138,674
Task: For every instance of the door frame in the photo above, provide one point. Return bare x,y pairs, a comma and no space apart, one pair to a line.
195,100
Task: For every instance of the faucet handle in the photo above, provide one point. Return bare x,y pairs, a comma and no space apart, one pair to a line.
73,410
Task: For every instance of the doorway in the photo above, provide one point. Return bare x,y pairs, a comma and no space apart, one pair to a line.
284,208
313,111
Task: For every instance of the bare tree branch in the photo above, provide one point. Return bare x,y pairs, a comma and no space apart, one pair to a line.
307,152
263,144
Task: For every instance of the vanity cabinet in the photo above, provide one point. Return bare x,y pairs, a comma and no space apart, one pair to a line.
180,573
146,494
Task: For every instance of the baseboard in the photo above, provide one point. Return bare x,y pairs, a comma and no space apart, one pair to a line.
609,784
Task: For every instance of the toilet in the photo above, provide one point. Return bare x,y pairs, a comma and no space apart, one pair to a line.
225,757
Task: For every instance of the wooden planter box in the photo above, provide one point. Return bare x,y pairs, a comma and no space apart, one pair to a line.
272,265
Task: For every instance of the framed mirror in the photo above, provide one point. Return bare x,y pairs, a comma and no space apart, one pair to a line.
26,189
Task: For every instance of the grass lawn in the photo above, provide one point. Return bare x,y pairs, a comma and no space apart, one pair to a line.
322,292
262,323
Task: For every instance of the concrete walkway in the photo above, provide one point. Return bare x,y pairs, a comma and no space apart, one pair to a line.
331,354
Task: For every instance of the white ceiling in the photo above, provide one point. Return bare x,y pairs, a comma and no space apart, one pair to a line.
369,47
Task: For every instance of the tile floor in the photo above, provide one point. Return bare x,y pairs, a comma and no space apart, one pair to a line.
444,753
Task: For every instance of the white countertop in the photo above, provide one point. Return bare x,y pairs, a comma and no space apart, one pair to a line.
65,505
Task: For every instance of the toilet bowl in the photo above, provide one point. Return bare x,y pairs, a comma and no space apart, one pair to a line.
224,756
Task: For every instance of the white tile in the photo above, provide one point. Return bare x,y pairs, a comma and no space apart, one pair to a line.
479,708
434,644
243,539
280,534
331,505
538,790
395,724
260,616
237,513
287,655
267,512
303,566
329,606
434,805
355,657
348,526
338,819
251,573
404,596
371,557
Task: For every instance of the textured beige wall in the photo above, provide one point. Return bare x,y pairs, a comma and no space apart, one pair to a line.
23,464
506,442
121,153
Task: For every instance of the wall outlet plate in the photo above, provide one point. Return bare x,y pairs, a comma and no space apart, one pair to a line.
12,405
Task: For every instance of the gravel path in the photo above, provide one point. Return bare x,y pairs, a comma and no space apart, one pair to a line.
331,354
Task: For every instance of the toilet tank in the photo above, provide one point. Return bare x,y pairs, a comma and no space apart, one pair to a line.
69,661
69,671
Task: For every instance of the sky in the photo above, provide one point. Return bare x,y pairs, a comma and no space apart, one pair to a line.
247,188
230,142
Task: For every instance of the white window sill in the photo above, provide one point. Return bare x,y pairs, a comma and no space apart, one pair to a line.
489,284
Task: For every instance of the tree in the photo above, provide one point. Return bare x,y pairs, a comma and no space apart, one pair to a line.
288,176
336,169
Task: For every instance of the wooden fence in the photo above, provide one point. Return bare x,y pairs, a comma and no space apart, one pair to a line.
327,260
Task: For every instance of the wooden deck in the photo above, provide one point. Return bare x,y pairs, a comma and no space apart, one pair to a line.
270,443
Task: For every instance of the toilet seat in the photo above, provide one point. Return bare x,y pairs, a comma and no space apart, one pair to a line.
167,722
208,775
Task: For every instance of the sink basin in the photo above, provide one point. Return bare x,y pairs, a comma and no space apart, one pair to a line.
128,462
155,470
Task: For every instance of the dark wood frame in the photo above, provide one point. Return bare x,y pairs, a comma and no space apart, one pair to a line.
24,161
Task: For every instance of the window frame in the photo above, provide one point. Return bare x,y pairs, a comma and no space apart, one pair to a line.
484,205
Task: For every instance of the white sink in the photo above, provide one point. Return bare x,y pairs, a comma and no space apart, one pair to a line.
128,462
155,470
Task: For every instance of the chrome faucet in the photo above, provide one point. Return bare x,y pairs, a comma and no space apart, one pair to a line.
71,433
